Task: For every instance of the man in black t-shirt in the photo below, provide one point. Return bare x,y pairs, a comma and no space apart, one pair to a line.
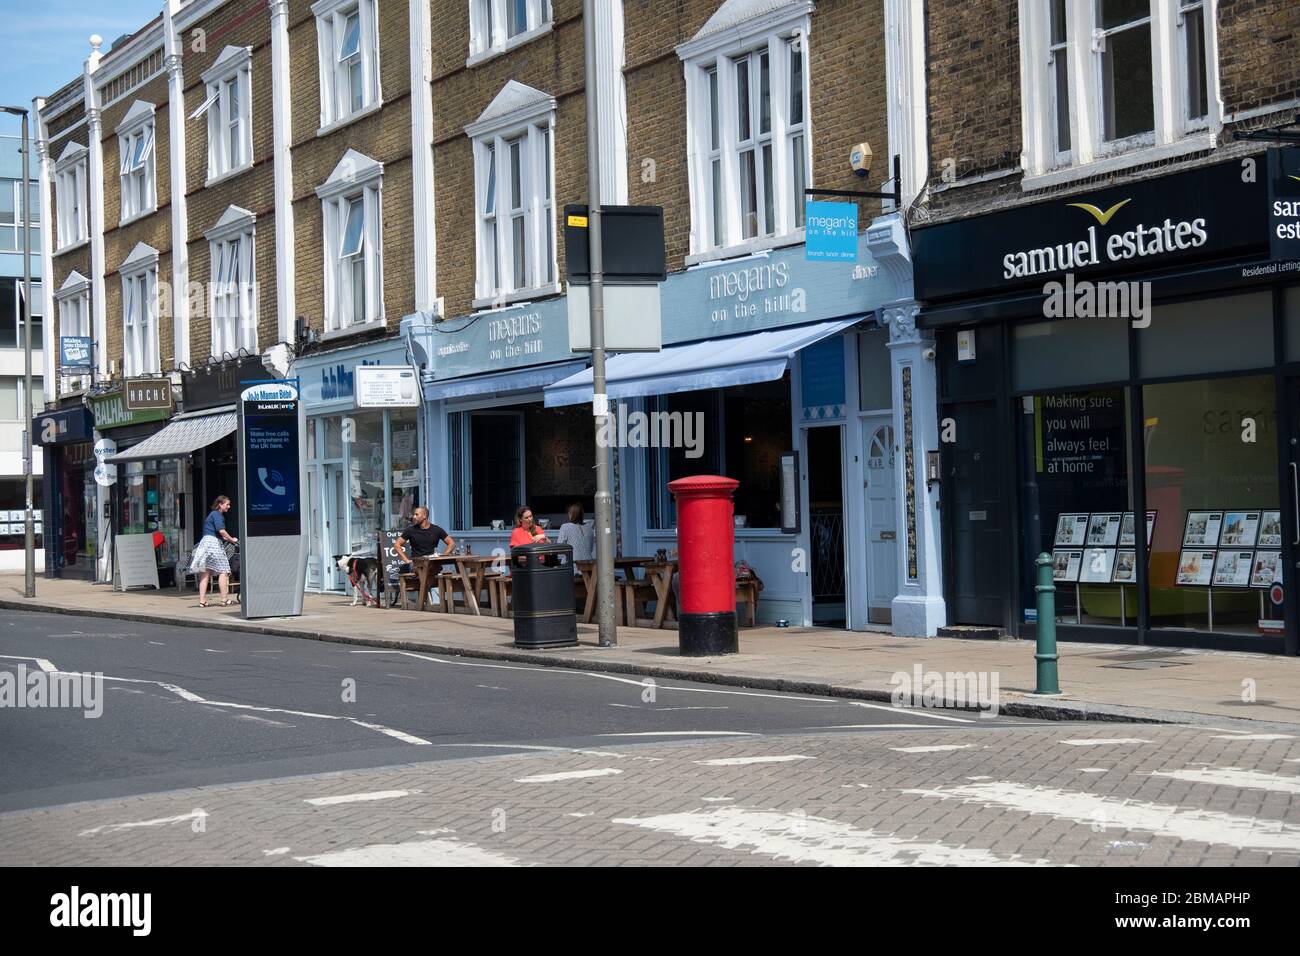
422,536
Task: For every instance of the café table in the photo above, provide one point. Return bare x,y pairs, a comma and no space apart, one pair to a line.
426,568
661,574
473,569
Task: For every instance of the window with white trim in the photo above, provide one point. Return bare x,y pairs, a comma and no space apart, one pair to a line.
347,34
496,25
749,148
1102,78
229,108
73,303
135,140
233,286
70,182
515,197
350,202
140,351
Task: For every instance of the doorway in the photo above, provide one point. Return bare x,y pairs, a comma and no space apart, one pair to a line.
977,551
882,532
335,537
826,525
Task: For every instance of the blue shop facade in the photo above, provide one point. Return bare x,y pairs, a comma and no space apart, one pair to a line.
763,356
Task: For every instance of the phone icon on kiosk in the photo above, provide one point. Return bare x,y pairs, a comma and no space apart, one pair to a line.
276,489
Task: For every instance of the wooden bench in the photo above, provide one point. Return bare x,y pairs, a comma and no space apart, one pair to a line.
747,597
498,589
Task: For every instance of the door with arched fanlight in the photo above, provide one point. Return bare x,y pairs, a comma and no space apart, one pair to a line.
882,534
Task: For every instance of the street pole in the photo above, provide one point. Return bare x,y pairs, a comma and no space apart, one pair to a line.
606,625
29,584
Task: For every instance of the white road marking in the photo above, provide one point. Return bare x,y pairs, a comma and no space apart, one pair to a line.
569,775
40,662
1203,826
1253,736
809,839
418,853
489,687
666,709
260,720
437,832
158,643
1105,741
396,734
1081,770
683,733
1232,777
563,750
577,815
872,726
933,749
403,676
213,650
161,821
717,799
278,851
979,778
358,797
745,761
910,711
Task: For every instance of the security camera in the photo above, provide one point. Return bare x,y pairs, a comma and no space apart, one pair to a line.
860,159
928,354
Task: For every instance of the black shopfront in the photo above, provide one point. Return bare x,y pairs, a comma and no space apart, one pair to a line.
68,503
1119,387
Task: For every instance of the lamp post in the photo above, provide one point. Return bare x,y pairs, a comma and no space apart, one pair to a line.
29,583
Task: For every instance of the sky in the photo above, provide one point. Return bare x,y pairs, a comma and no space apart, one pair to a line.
43,43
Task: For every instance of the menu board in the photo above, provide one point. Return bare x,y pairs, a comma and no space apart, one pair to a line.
1127,535
1097,565
1125,567
1240,528
1202,530
1195,567
1270,529
1071,529
1266,569
1232,568
1065,565
1103,529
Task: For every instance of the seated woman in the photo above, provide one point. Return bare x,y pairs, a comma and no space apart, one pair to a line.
526,531
576,534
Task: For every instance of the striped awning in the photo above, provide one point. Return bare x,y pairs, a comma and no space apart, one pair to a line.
181,436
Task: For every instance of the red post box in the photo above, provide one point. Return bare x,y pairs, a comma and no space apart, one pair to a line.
705,538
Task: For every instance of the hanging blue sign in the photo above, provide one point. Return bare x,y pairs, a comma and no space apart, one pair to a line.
831,231
75,353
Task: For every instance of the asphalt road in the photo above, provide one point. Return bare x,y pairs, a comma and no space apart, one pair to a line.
189,707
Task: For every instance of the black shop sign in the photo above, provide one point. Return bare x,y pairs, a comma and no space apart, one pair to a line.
1284,204
1210,213
220,383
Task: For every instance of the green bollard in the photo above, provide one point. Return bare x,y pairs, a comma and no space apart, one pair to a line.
1046,652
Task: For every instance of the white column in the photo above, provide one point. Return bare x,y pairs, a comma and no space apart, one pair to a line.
95,191
180,304
425,246
918,609
905,81
49,344
611,101
282,123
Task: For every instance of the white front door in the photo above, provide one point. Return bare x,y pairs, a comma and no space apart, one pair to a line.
336,525
882,544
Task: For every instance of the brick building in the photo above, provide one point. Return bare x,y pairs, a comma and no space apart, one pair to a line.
1114,326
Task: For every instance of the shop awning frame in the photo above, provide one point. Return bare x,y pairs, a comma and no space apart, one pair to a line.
713,363
183,435
491,383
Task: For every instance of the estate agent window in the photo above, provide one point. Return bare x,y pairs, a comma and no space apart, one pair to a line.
347,34
136,151
229,110
747,108
140,353
499,25
1117,82
515,195
233,290
350,201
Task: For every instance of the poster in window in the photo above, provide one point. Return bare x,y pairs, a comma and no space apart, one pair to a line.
1202,530
1066,564
1125,567
1266,569
1270,529
1195,568
1127,535
1103,530
1098,563
1240,528
1232,569
1071,529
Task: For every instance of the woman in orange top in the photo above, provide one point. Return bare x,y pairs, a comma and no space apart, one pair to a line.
525,531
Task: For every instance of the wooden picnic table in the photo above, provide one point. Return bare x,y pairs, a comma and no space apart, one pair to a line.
470,568
659,574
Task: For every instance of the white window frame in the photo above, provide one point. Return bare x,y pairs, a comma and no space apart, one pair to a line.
336,105
1174,134
716,52
232,295
228,116
73,303
137,160
71,172
141,354
489,26
532,127
357,178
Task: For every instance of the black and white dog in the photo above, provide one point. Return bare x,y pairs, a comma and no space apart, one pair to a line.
363,575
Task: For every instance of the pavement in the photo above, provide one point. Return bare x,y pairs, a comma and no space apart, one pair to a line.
1098,682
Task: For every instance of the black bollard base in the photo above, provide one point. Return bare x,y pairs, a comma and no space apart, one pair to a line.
707,635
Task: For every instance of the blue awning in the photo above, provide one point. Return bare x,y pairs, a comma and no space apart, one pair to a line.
517,380
713,363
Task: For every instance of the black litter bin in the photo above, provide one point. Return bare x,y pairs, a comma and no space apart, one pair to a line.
542,595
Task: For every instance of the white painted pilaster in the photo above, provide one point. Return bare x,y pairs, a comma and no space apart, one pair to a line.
49,344
425,245
173,48
282,123
95,190
611,101
905,82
